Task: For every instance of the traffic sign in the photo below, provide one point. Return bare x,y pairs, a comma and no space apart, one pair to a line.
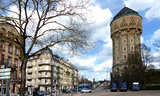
5,70
5,77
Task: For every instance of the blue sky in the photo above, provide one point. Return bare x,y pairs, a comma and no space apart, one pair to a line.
97,63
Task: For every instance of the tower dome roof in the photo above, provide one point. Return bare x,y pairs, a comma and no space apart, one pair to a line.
125,11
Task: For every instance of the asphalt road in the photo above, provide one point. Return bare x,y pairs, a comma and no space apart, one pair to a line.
106,92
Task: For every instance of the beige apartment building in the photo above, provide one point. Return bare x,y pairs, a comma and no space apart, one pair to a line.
66,74
48,71
10,54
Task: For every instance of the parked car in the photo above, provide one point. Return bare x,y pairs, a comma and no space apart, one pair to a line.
66,91
135,86
41,93
86,90
123,86
113,87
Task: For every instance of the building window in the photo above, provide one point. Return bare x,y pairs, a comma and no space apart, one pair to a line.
10,34
45,81
46,73
14,74
40,81
16,51
125,57
2,44
41,60
47,60
9,61
2,59
3,29
124,49
15,62
1,33
10,48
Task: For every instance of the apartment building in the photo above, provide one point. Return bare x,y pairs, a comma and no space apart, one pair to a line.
47,71
10,54
66,74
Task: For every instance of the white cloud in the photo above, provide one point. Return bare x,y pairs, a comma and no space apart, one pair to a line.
154,11
100,19
156,64
83,62
142,39
156,35
139,4
151,6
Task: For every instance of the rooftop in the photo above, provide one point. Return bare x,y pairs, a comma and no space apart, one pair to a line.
125,11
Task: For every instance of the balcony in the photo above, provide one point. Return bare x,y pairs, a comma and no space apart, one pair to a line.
29,77
40,76
44,69
45,84
29,65
29,71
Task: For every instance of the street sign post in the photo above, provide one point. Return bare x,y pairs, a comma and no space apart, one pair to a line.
5,75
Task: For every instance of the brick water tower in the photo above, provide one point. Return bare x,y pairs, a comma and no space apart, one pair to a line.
126,30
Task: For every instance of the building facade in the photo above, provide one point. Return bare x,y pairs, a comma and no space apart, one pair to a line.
47,71
126,30
66,74
10,55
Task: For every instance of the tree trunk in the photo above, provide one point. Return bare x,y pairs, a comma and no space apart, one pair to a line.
23,77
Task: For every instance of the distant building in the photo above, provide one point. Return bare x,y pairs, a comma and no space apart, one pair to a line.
10,54
48,71
126,30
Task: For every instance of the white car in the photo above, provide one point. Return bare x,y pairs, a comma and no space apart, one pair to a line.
86,90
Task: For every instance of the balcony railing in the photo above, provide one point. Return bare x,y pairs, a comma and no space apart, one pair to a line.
29,65
29,71
29,77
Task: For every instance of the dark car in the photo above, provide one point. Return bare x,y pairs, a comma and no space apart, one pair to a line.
123,87
41,93
113,87
135,86
66,91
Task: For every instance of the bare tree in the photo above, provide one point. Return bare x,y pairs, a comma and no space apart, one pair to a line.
147,58
45,23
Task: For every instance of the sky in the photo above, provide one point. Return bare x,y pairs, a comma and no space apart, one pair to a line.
97,63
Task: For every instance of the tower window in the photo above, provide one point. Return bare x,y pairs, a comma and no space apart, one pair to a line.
125,56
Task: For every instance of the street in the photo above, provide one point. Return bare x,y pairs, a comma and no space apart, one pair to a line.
106,92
